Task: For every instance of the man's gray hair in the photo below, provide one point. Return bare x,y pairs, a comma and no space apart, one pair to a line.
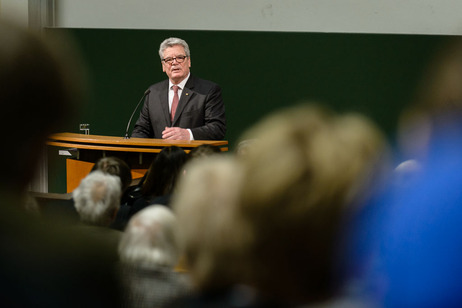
97,198
150,238
170,42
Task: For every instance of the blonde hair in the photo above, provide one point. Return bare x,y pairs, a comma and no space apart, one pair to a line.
308,167
211,232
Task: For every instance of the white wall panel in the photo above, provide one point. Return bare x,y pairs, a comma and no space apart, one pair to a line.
357,16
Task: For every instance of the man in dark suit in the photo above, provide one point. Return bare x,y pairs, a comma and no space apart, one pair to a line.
184,107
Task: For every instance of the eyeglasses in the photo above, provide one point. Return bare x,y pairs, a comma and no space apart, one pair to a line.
179,59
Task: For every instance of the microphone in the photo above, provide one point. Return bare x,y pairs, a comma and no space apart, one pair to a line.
131,117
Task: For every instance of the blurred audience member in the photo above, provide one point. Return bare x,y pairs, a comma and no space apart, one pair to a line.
407,172
244,145
408,241
436,106
117,167
64,208
211,233
161,178
204,150
97,200
149,251
263,231
310,168
42,263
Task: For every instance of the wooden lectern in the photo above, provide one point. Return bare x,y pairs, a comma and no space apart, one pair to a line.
85,150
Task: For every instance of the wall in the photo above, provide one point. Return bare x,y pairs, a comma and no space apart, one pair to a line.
15,9
374,74
355,16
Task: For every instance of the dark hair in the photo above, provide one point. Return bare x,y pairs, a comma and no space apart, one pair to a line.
163,172
115,166
40,85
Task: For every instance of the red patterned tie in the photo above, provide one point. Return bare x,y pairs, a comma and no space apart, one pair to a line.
174,101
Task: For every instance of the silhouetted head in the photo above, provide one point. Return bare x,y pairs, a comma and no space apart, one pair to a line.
39,87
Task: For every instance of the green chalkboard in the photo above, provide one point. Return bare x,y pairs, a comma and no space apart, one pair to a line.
259,72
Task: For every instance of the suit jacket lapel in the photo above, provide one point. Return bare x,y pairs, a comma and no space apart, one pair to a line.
185,97
163,98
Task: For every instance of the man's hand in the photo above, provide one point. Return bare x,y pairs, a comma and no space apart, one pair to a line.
175,133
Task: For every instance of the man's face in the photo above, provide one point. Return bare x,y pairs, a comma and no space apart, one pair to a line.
176,71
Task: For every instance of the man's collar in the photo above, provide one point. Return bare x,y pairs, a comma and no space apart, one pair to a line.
181,84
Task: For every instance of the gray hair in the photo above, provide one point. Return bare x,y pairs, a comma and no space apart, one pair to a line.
150,238
172,41
97,198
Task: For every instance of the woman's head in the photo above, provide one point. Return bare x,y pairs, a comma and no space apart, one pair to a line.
164,171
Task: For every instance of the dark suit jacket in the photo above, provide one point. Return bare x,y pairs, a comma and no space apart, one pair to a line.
200,109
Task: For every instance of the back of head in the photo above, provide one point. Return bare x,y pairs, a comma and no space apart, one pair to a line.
244,145
39,86
117,167
211,232
436,110
150,238
439,90
308,166
410,238
97,198
204,150
38,89
164,171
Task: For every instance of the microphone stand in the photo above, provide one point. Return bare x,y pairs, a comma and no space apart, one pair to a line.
133,113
